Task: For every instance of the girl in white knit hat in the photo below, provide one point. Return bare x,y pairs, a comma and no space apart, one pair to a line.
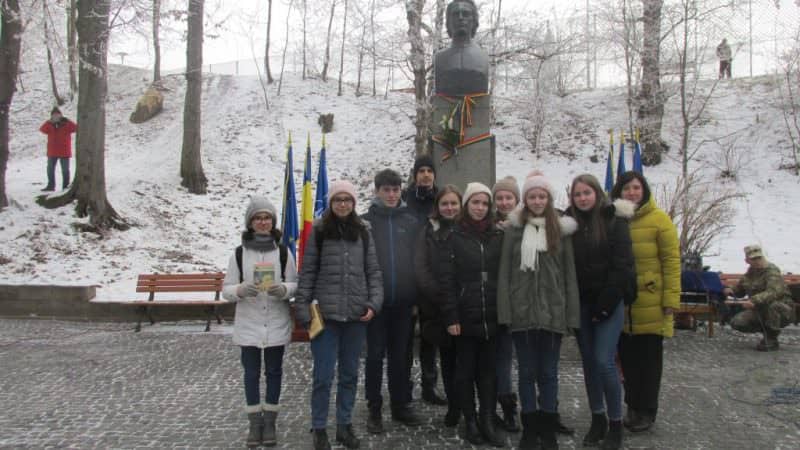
538,300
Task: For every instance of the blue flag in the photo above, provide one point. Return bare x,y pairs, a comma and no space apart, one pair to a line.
321,200
637,159
621,163
290,224
610,170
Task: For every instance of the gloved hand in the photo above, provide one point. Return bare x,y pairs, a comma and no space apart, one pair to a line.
606,304
247,290
277,290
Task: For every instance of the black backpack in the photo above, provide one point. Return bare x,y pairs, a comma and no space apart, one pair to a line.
284,255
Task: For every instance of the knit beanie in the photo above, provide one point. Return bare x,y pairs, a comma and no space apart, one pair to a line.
509,184
423,161
342,187
536,179
259,204
476,188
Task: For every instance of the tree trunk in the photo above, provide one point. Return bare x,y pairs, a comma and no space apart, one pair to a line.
417,59
361,50
374,49
10,44
270,80
341,57
651,97
438,26
305,23
285,46
327,60
72,47
156,40
89,185
48,39
192,174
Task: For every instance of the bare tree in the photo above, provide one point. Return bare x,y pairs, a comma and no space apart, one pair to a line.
341,57
493,66
89,185
361,50
416,58
192,175
651,97
10,43
305,45
326,61
790,99
374,49
49,41
266,47
438,26
285,45
156,41
72,47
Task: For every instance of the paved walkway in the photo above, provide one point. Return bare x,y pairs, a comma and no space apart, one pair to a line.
99,385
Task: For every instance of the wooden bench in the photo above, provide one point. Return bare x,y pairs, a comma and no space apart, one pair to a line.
693,303
177,283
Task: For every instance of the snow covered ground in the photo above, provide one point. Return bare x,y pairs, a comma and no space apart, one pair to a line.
244,147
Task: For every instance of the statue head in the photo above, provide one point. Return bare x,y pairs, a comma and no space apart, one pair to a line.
462,20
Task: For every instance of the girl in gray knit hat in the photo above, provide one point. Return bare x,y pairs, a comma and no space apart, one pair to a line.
261,278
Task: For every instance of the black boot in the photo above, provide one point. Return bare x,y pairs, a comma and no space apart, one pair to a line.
256,420
269,438
488,430
471,431
321,439
613,440
561,428
637,421
770,341
530,432
509,404
547,430
345,436
405,414
375,421
597,431
432,395
452,416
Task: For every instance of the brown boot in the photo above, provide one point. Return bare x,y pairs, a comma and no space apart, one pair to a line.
770,341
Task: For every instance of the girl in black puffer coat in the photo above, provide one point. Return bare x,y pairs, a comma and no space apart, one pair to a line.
430,257
606,275
469,309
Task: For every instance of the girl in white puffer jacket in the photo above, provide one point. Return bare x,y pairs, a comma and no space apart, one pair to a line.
263,323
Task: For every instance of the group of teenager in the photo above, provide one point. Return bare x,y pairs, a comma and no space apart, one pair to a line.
485,271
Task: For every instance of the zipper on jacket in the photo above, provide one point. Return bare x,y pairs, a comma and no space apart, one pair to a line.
391,260
484,278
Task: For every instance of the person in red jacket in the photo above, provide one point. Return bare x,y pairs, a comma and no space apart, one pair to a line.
59,131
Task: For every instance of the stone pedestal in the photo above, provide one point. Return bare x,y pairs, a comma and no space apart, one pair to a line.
472,162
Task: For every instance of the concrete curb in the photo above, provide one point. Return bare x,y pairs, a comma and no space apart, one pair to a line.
72,303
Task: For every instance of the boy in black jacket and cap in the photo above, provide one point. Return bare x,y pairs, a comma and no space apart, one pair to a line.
394,229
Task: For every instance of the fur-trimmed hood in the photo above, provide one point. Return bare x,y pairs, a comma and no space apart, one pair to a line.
623,208
568,224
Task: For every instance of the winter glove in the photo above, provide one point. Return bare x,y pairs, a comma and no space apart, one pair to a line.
247,290
277,290
607,302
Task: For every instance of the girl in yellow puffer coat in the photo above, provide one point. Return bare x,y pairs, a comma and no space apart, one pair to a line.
650,318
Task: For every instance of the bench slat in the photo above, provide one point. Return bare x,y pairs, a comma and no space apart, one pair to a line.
211,283
183,276
179,289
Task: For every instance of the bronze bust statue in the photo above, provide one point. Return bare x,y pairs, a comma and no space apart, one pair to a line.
464,67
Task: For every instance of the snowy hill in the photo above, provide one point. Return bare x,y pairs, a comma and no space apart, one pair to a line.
244,153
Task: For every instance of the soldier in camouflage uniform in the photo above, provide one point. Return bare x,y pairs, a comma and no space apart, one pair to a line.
768,303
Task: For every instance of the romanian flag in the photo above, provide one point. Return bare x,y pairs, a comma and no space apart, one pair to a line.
321,201
637,156
289,224
621,164
610,162
307,206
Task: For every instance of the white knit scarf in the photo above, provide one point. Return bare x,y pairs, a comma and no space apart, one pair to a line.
534,240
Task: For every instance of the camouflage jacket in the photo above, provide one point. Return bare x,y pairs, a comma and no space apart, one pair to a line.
763,286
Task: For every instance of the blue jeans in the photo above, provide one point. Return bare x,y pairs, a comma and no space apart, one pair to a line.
538,352
273,371
342,342
387,337
503,363
51,171
597,342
